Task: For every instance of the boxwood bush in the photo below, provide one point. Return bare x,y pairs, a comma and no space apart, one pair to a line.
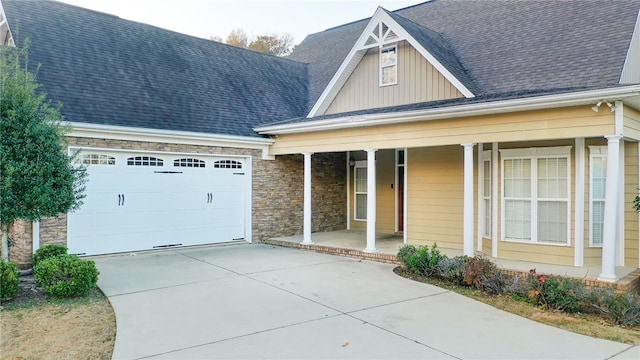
48,251
66,275
9,280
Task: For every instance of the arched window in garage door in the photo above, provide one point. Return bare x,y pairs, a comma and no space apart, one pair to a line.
227,164
189,162
144,161
97,159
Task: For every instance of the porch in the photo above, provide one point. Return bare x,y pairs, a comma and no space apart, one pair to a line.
351,243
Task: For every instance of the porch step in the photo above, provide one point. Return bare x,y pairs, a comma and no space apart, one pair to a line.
352,253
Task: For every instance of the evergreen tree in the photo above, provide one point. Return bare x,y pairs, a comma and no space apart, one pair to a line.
37,175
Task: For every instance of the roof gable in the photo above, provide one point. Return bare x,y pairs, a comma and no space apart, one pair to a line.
386,28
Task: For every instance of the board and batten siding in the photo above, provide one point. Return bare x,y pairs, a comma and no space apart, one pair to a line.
418,81
561,123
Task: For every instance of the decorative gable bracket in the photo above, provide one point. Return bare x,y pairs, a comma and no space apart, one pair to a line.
381,30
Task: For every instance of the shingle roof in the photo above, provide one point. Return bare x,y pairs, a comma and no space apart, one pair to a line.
505,46
107,70
437,46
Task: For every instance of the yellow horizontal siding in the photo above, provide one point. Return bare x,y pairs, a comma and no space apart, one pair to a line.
561,255
565,123
435,204
631,123
630,216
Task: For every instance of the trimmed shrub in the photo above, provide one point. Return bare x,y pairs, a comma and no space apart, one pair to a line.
9,280
557,293
621,309
421,260
479,270
452,269
66,275
48,251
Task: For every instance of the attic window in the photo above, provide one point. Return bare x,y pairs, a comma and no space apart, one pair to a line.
388,66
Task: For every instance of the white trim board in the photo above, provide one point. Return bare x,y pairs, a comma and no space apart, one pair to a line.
112,132
360,48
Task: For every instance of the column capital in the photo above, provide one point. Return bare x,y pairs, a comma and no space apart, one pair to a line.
307,153
613,138
370,150
468,145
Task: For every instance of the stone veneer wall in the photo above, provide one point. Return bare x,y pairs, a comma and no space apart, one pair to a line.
277,193
20,251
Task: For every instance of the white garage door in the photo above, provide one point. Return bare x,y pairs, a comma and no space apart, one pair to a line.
139,201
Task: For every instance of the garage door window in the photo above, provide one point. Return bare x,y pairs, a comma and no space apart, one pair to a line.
144,161
227,164
189,162
97,159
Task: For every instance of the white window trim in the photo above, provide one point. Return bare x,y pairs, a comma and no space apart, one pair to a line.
594,152
486,158
534,154
359,164
381,67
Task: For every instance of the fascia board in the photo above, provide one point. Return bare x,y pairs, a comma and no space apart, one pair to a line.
357,52
346,68
96,131
495,107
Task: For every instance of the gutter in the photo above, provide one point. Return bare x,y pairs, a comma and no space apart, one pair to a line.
486,108
113,132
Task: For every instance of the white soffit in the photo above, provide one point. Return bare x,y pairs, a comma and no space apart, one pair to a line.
382,30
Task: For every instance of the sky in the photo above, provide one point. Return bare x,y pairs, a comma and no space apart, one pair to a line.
206,18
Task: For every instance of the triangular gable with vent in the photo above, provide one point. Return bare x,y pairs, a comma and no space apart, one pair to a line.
383,29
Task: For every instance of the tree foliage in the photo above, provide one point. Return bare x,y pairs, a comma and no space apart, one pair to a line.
37,177
274,44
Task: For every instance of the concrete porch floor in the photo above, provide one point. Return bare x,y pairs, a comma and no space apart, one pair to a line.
391,243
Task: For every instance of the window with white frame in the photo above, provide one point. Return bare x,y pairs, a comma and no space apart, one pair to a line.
536,195
360,186
388,66
486,193
597,185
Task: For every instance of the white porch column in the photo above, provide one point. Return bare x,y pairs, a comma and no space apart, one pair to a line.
609,231
578,251
306,231
468,199
371,201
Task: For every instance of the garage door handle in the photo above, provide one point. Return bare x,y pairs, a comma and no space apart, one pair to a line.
120,199
209,198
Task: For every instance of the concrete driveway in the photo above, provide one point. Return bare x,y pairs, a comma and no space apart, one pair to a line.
259,301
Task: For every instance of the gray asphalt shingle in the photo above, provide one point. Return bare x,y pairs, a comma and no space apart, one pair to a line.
107,70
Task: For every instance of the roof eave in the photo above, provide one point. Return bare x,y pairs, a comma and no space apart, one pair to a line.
99,131
456,111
